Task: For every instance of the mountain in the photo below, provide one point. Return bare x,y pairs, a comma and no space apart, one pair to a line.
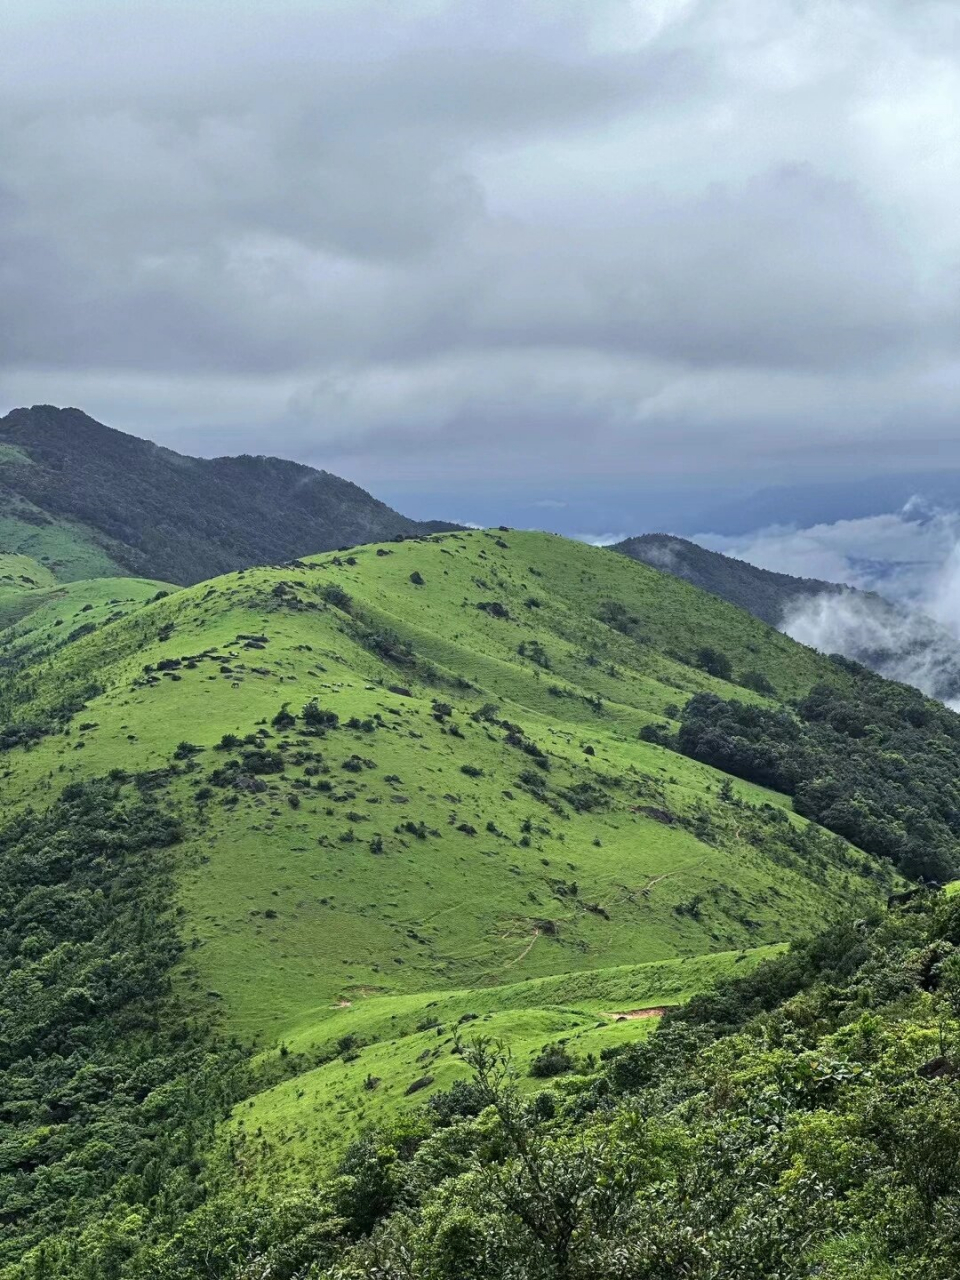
88,501
762,592
281,847
897,642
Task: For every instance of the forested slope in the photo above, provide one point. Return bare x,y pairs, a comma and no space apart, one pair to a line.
89,501
896,640
762,592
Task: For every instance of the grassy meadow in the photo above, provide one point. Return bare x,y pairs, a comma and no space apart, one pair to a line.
464,829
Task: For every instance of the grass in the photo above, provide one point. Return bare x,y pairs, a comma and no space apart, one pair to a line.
372,1053
490,836
38,621
65,548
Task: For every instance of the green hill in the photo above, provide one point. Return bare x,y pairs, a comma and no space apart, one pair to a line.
87,501
276,839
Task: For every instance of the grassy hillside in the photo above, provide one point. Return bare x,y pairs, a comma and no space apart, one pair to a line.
409,789
488,736
87,501
35,621
802,1121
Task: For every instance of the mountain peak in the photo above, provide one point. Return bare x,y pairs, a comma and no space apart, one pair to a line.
127,505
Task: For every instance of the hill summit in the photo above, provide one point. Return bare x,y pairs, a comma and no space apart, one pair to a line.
88,501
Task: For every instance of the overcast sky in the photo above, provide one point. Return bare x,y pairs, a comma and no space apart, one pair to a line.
559,246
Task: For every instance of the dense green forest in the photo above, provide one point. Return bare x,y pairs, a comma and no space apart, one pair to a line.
86,500
873,761
109,1091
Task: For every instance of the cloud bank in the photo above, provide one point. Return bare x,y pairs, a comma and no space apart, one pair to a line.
909,627
452,238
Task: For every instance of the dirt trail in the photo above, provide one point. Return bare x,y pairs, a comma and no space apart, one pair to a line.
656,880
525,952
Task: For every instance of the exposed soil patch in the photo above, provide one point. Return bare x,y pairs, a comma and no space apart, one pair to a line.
629,1015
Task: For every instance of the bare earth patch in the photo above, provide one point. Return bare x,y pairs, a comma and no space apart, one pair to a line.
628,1015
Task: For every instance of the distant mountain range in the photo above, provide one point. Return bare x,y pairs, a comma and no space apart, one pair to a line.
899,643
88,501
83,501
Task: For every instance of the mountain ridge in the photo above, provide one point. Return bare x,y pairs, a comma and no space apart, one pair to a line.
763,592
895,641
89,501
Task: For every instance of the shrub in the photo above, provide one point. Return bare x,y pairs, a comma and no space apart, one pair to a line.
335,595
283,719
388,645
257,760
535,651
494,608
758,682
316,717
552,1060
714,662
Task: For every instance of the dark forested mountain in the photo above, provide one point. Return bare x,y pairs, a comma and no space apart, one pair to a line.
900,643
88,501
761,592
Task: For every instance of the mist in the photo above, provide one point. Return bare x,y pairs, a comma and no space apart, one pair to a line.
900,643
901,614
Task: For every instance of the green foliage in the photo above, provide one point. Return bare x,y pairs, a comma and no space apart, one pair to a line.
758,682
334,594
94,499
109,1089
552,1060
344,878
810,1127
713,662
319,718
874,763
284,719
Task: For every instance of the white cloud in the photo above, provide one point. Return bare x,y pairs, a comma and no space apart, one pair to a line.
910,557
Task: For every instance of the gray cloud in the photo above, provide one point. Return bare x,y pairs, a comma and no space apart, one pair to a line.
529,239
